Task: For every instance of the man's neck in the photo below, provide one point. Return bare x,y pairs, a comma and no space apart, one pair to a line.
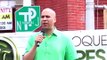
49,32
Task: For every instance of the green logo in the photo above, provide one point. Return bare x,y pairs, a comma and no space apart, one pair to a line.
27,18
8,50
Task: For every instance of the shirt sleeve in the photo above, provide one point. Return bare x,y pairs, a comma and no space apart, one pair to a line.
70,53
31,42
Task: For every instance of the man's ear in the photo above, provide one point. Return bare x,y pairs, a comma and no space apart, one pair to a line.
54,19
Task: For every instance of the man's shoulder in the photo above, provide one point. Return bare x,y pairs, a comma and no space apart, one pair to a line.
34,34
58,32
61,34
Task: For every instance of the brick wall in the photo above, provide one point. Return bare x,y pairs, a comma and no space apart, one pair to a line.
70,13
76,14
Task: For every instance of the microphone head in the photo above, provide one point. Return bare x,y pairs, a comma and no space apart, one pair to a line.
43,31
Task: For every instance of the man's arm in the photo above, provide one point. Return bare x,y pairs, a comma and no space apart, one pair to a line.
31,48
30,55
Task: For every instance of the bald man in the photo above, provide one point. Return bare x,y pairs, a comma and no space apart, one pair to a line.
53,44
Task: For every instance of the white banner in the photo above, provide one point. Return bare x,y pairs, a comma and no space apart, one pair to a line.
90,44
6,18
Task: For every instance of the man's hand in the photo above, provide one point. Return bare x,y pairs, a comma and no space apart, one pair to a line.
39,39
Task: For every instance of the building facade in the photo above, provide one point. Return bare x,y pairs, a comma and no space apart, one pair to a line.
70,13
74,14
101,14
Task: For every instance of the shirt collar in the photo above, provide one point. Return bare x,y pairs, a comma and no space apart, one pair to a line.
55,32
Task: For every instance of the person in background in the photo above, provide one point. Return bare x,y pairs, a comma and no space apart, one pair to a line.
53,45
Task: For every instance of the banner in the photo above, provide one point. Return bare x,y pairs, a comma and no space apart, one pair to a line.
90,44
6,18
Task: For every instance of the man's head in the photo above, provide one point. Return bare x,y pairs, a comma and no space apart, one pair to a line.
48,18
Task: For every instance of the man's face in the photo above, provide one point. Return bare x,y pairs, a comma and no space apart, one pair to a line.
48,19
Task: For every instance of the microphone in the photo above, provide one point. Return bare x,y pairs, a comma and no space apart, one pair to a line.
42,33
